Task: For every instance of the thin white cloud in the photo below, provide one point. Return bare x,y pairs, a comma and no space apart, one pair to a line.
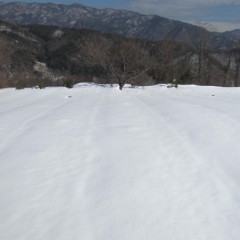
221,26
182,2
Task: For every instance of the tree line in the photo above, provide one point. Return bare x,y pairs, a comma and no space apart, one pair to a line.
84,55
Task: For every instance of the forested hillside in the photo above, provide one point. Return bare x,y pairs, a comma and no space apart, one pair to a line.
49,55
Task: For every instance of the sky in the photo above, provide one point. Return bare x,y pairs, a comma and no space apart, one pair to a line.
220,15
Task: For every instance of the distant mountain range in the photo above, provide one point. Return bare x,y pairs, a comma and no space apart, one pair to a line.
109,20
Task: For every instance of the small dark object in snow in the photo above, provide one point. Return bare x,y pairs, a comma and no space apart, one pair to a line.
213,95
174,84
69,96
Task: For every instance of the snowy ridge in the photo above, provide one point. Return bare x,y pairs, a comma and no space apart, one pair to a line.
152,163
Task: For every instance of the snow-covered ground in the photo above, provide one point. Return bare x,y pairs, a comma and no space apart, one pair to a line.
104,164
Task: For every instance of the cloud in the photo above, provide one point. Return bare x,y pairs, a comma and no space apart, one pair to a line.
182,2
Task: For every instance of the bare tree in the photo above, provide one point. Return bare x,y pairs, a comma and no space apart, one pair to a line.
236,54
227,68
165,59
231,68
174,61
5,60
203,50
126,60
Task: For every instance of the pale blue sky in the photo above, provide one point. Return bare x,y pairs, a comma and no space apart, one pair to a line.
221,14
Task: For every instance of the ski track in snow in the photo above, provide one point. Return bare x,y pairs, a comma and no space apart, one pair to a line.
151,163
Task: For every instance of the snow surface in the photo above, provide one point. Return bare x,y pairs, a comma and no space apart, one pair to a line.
96,163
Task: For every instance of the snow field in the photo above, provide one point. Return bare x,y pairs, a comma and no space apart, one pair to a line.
152,163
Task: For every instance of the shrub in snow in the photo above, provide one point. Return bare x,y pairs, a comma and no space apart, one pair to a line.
68,82
20,85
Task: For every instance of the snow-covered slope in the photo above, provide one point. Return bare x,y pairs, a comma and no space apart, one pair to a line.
105,164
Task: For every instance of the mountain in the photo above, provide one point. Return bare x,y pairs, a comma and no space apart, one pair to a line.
108,20
234,34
